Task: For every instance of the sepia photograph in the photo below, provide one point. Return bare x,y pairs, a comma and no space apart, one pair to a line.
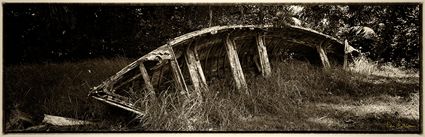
212,67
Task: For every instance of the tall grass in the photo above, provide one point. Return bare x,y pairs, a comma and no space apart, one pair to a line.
56,89
285,101
280,102
366,66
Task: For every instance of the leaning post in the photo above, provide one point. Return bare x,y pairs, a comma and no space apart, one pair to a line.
323,56
195,69
235,65
264,59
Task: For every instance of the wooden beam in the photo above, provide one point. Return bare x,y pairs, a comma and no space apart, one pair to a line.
200,70
64,121
124,105
235,65
264,59
345,65
157,76
146,78
127,81
177,74
195,69
323,57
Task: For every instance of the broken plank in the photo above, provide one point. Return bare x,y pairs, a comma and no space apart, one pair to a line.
63,121
177,74
345,64
235,65
146,78
157,76
195,70
264,59
120,104
127,81
200,70
323,56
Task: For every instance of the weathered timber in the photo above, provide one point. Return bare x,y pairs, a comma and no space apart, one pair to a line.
264,59
323,57
127,81
345,54
120,102
265,49
195,69
235,65
200,70
63,121
177,75
146,78
157,76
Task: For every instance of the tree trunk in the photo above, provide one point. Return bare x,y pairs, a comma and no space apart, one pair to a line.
211,16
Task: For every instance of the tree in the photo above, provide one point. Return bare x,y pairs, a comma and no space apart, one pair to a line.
397,27
63,32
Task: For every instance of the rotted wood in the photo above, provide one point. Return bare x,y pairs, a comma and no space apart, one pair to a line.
345,65
235,65
323,56
212,38
63,121
177,74
146,78
108,84
157,75
127,81
121,103
195,69
264,59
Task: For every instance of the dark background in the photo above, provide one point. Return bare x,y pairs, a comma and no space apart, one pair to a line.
52,33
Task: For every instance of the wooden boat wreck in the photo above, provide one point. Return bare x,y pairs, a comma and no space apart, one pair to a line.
188,62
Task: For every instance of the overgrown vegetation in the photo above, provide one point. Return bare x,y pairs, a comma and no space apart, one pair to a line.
47,71
37,33
57,89
297,97
366,66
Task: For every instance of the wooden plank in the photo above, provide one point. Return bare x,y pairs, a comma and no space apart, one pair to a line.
345,65
200,70
195,69
157,76
64,121
235,65
323,57
120,105
222,61
264,59
126,82
146,78
177,74
257,64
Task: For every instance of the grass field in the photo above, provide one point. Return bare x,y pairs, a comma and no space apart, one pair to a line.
297,97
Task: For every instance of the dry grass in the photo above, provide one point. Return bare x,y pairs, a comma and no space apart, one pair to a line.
297,97
366,66
56,89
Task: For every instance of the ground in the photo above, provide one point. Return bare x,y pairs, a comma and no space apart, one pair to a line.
298,97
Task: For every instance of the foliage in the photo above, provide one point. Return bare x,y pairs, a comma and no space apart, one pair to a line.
397,27
65,32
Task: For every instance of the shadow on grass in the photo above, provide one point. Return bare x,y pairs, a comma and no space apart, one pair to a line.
356,86
350,121
279,103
